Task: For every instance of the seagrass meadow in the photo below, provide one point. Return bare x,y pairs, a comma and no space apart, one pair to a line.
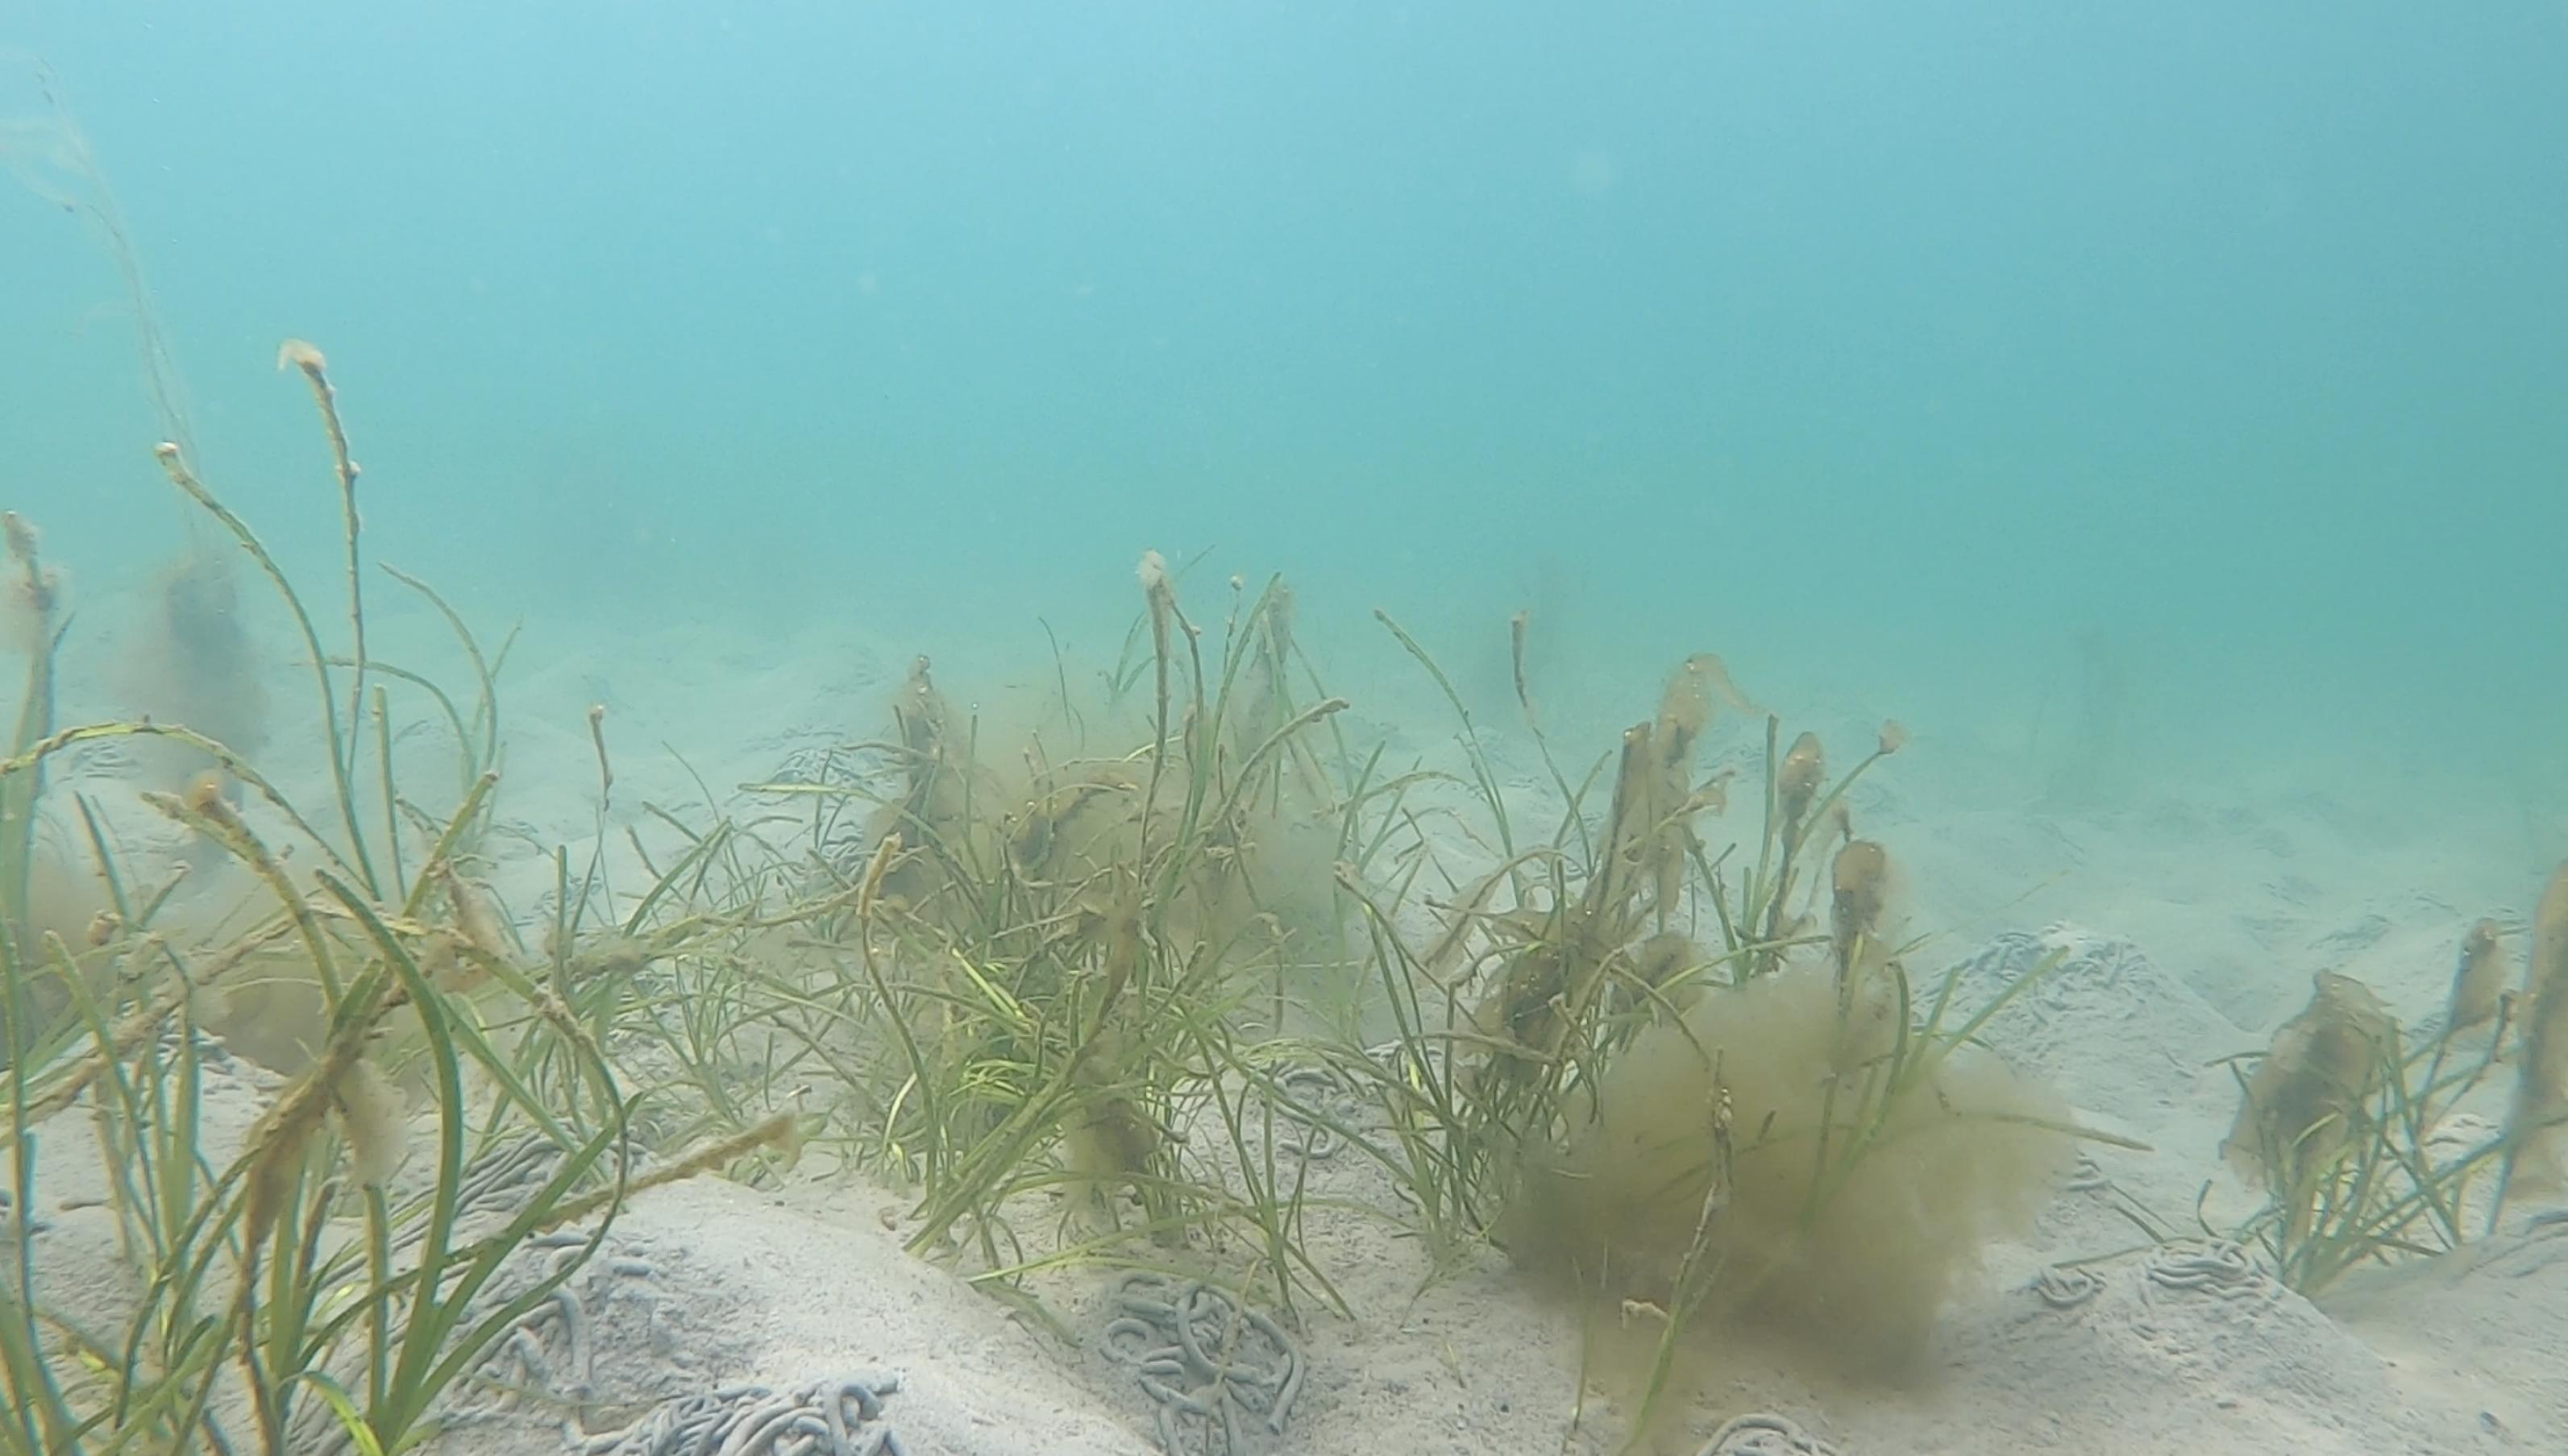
1165,977
1238,730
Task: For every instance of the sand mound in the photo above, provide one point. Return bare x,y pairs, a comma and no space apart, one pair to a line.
2106,1026
2191,1349
709,1295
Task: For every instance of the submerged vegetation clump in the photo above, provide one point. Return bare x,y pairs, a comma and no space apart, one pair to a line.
2350,1126
2537,1125
1700,1083
2479,982
321,1277
191,660
1067,967
1740,1165
1779,1133
2301,1108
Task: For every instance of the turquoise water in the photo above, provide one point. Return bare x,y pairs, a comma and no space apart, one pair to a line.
1892,351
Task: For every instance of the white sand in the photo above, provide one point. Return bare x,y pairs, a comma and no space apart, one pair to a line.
2195,920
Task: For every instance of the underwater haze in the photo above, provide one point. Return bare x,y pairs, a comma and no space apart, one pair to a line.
1672,727
1929,355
